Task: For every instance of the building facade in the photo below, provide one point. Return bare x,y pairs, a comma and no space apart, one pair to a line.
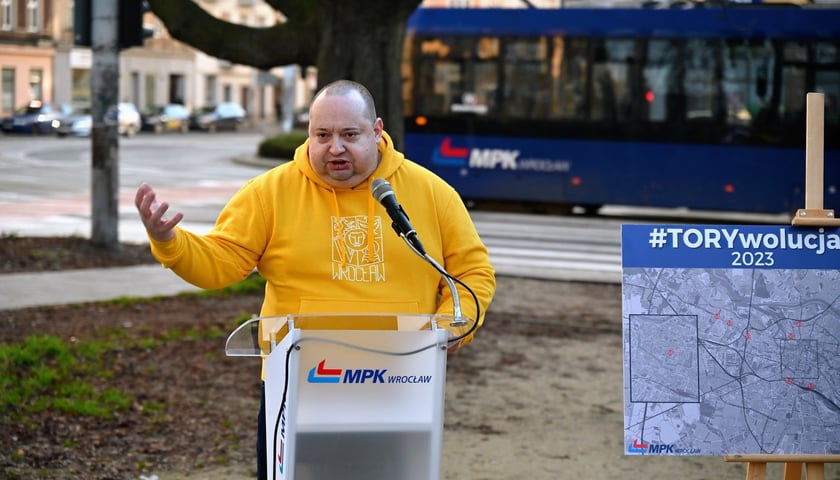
39,61
29,34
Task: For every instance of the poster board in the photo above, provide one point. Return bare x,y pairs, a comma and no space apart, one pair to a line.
731,339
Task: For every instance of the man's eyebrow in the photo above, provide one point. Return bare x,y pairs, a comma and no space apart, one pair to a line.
343,129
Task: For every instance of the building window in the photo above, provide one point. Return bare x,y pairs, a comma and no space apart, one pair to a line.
8,89
149,92
227,93
33,15
211,82
135,88
80,92
36,84
7,14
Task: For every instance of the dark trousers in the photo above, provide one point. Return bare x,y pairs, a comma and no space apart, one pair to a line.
262,454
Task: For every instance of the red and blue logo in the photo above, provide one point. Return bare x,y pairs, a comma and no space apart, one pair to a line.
637,447
451,156
489,158
322,374
642,448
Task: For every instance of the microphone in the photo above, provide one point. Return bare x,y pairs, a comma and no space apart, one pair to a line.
384,194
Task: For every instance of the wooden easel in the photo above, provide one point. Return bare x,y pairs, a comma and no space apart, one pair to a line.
812,215
757,465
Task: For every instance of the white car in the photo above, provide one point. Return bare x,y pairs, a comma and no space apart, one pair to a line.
80,124
129,121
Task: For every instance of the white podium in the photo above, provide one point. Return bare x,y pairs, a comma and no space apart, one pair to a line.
356,396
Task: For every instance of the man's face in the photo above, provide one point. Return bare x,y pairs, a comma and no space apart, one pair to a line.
342,140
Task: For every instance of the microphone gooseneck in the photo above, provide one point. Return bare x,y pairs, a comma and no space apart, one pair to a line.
384,194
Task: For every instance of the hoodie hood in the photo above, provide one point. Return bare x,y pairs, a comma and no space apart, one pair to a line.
391,159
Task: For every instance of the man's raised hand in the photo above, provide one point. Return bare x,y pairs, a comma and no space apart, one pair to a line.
152,214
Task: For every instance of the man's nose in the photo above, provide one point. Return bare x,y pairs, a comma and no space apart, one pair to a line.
336,144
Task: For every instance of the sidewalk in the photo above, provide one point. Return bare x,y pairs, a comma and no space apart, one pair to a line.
22,290
34,289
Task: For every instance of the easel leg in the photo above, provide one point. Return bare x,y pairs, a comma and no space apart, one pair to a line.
756,471
814,471
793,471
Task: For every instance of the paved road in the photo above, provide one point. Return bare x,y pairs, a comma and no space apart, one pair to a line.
44,190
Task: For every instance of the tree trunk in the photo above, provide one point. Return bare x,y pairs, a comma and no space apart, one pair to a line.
362,40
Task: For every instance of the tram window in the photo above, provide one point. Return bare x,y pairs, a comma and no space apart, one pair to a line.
569,77
795,52
827,52
481,86
828,82
827,79
737,83
794,80
702,85
667,74
448,87
525,71
609,78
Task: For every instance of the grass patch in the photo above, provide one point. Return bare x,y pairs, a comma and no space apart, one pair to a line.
44,373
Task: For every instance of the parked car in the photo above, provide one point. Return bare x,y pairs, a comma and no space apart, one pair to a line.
224,116
36,117
129,121
171,117
80,123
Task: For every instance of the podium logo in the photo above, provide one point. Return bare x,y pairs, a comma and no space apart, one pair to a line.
322,374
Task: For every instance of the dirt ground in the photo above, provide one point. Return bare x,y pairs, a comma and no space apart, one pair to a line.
537,395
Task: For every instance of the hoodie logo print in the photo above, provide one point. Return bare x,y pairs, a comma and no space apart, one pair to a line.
355,256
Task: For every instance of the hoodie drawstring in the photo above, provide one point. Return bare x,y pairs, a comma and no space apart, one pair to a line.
339,228
370,219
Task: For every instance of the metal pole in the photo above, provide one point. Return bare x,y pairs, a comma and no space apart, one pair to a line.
105,77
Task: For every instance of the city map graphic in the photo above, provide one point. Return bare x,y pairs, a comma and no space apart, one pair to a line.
731,340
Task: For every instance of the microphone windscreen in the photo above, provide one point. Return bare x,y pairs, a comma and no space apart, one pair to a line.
380,188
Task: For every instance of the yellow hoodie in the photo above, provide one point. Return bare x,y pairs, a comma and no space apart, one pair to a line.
332,250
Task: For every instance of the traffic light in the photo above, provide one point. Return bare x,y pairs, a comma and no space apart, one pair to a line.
82,21
130,30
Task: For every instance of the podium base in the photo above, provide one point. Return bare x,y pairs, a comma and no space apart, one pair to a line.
363,455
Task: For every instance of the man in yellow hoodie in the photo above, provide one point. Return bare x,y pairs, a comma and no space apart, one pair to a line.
314,231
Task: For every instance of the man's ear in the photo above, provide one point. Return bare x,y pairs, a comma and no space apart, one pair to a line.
378,126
